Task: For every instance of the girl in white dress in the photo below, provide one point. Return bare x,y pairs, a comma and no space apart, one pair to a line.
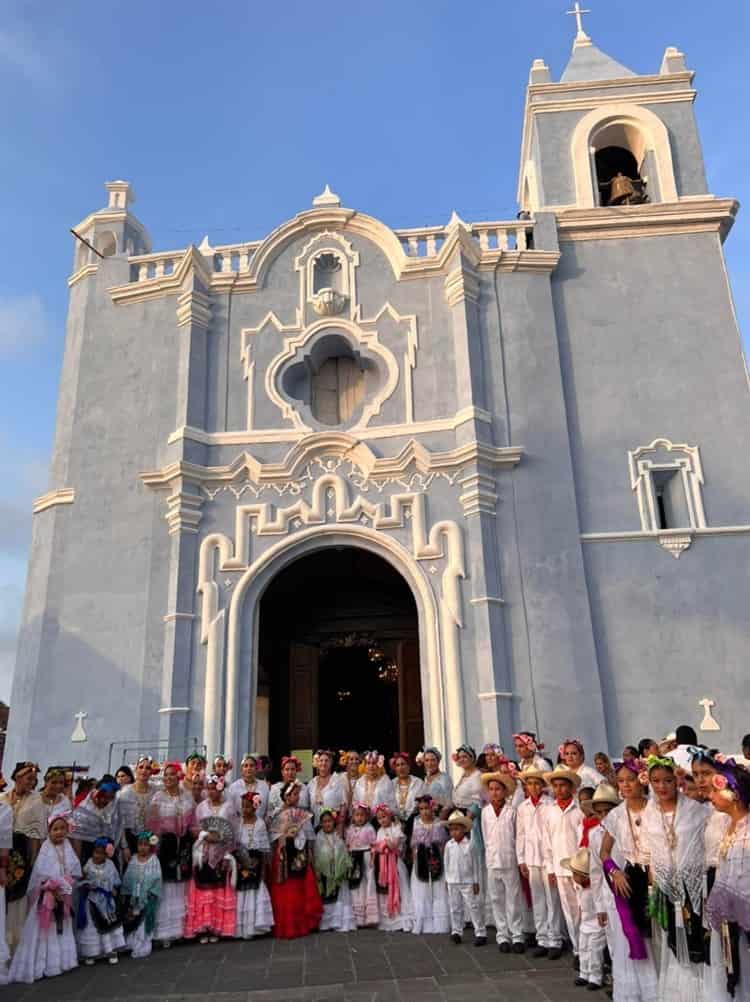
391,877
48,945
218,803
249,783
374,787
141,890
360,838
673,835
428,889
253,853
332,864
326,789
99,924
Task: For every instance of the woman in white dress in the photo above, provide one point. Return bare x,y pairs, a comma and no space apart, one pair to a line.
291,767
728,906
135,798
438,784
48,945
249,783
673,835
373,787
428,888
406,788
573,755
29,829
625,862
171,816
349,762
529,750
326,789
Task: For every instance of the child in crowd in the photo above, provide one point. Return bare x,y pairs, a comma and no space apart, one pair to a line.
253,852
332,864
591,938
212,899
545,901
428,888
462,879
360,837
503,881
561,822
391,876
48,945
139,895
605,799
99,924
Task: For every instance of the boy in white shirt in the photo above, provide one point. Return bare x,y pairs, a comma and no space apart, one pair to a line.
591,936
461,868
503,880
560,826
545,901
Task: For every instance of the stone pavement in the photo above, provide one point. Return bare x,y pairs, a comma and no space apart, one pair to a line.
366,966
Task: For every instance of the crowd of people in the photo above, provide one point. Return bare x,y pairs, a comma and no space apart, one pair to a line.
639,867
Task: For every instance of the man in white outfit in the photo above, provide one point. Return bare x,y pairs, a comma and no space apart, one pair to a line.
461,868
560,825
503,880
545,901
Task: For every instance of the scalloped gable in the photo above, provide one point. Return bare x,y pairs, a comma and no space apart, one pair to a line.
589,63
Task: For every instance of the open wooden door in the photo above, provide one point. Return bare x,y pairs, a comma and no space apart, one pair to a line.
410,698
303,695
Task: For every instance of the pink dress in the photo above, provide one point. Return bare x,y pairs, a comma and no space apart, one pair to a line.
212,898
359,841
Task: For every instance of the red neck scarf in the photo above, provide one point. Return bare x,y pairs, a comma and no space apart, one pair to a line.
588,824
562,804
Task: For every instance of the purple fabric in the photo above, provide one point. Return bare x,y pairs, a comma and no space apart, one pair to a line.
636,944
726,905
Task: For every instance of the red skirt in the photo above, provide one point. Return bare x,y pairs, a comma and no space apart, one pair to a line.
297,908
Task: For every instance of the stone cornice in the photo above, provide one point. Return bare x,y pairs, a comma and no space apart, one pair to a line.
413,454
84,272
63,495
692,215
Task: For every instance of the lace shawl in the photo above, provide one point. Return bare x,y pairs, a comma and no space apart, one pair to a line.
90,822
134,807
50,866
440,788
729,900
434,834
678,871
254,836
360,837
142,880
331,862
168,815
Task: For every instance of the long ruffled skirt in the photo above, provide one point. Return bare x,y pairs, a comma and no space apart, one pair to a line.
92,943
43,953
211,910
254,912
170,919
338,915
678,982
139,942
430,901
297,908
405,918
365,898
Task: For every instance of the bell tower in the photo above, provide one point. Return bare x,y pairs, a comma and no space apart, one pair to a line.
604,135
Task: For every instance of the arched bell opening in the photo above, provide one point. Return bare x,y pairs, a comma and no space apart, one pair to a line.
620,152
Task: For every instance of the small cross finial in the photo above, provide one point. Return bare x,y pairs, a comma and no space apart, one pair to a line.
578,13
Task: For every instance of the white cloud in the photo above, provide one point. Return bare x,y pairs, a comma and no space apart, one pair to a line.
23,324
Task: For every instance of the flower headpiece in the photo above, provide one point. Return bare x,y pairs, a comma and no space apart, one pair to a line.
323,752
152,764
732,781
104,843
148,836
195,757
54,773
177,766
228,763
373,758
247,757
425,798
698,754
528,740
634,765
330,811
253,798
576,742
61,815
345,755
427,750
384,808
466,749
490,747
217,781
358,805
659,762
293,759
21,768
396,756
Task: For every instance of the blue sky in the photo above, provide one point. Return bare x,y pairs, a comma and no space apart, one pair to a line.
228,118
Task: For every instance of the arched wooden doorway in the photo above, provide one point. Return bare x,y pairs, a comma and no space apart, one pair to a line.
339,655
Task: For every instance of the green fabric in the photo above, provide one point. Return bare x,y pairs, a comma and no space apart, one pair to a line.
332,865
657,908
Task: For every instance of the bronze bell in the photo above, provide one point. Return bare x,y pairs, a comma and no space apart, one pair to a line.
621,190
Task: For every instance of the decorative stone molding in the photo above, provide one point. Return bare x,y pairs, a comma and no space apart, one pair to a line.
686,462
328,303
494,695
183,512
194,309
63,495
675,543
461,285
479,494
705,214
81,273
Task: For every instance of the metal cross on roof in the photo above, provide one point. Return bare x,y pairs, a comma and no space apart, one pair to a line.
578,13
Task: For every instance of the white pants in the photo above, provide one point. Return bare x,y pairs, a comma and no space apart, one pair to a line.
460,897
591,942
504,889
545,903
566,888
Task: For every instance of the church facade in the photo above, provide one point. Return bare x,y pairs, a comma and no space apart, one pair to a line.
498,466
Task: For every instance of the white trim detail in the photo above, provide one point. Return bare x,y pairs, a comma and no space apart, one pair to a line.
636,536
332,512
687,462
63,495
494,695
171,617
490,599
174,709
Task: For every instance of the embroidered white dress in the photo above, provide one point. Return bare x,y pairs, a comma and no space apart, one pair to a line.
338,915
374,791
729,901
172,817
45,952
439,785
103,881
359,841
332,795
393,836
405,795
239,788
429,893
254,910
